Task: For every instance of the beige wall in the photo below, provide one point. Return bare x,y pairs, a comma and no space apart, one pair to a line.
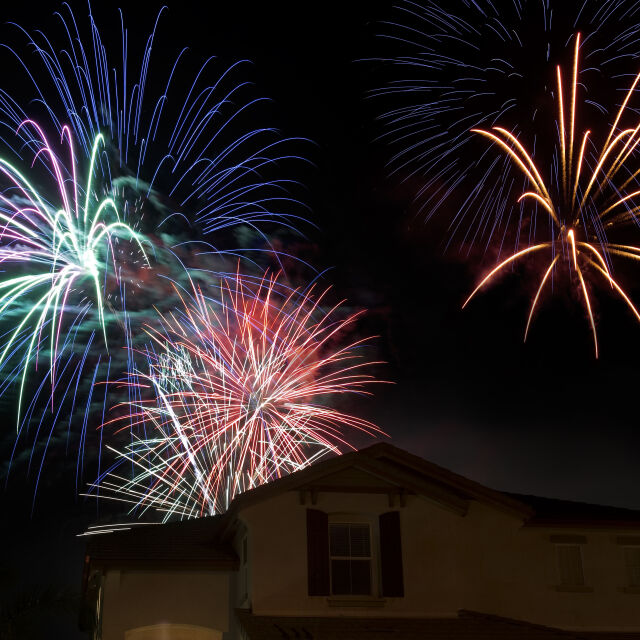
485,561
134,599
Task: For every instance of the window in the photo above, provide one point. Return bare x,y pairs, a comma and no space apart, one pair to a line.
350,555
632,562
362,558
570,565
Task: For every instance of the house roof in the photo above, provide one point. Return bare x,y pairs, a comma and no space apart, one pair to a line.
466,625
187,542
397,470
203,541
408,473
551,511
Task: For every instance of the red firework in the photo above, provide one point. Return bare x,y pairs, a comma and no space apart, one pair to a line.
243,391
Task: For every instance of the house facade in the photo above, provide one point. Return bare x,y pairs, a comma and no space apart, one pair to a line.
376,543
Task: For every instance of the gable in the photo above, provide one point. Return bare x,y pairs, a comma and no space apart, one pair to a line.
383,468
353,479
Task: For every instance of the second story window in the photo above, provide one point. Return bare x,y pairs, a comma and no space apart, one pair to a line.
570,565
350,554
354,555
632,562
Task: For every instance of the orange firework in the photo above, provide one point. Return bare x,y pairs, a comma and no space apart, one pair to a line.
590,198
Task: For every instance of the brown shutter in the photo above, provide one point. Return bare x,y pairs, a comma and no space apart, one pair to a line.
318,552
391,555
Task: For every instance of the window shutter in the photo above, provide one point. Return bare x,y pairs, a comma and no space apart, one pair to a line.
391,555
318,552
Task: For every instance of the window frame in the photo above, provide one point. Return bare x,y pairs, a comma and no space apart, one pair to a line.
374,553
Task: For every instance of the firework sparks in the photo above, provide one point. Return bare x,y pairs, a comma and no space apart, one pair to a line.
66,249
453,66
175,151
587,202
241,390
181,140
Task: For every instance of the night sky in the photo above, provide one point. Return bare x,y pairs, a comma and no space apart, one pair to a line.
544,417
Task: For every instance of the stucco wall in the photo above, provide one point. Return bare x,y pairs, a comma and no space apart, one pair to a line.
134,599
485,561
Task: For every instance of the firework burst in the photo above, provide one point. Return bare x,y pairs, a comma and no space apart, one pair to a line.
454,66
241,389
64,249
175,155
181,139
587,198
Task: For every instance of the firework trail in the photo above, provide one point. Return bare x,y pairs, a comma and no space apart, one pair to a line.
240,390
454,66
586,197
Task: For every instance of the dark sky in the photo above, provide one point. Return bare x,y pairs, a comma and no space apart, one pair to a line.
543,418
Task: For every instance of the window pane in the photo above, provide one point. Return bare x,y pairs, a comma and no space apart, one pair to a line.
361,577
570,564
360,546
632,559
339,540
340,577
350,550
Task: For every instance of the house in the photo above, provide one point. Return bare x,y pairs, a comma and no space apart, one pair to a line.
376,543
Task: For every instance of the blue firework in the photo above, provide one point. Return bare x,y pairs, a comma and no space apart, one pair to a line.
181,133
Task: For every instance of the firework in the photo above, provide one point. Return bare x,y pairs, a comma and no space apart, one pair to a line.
182,139
55,255
176,155
454,66
240,397
586,199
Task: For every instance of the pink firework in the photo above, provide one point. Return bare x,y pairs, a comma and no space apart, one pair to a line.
243,390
